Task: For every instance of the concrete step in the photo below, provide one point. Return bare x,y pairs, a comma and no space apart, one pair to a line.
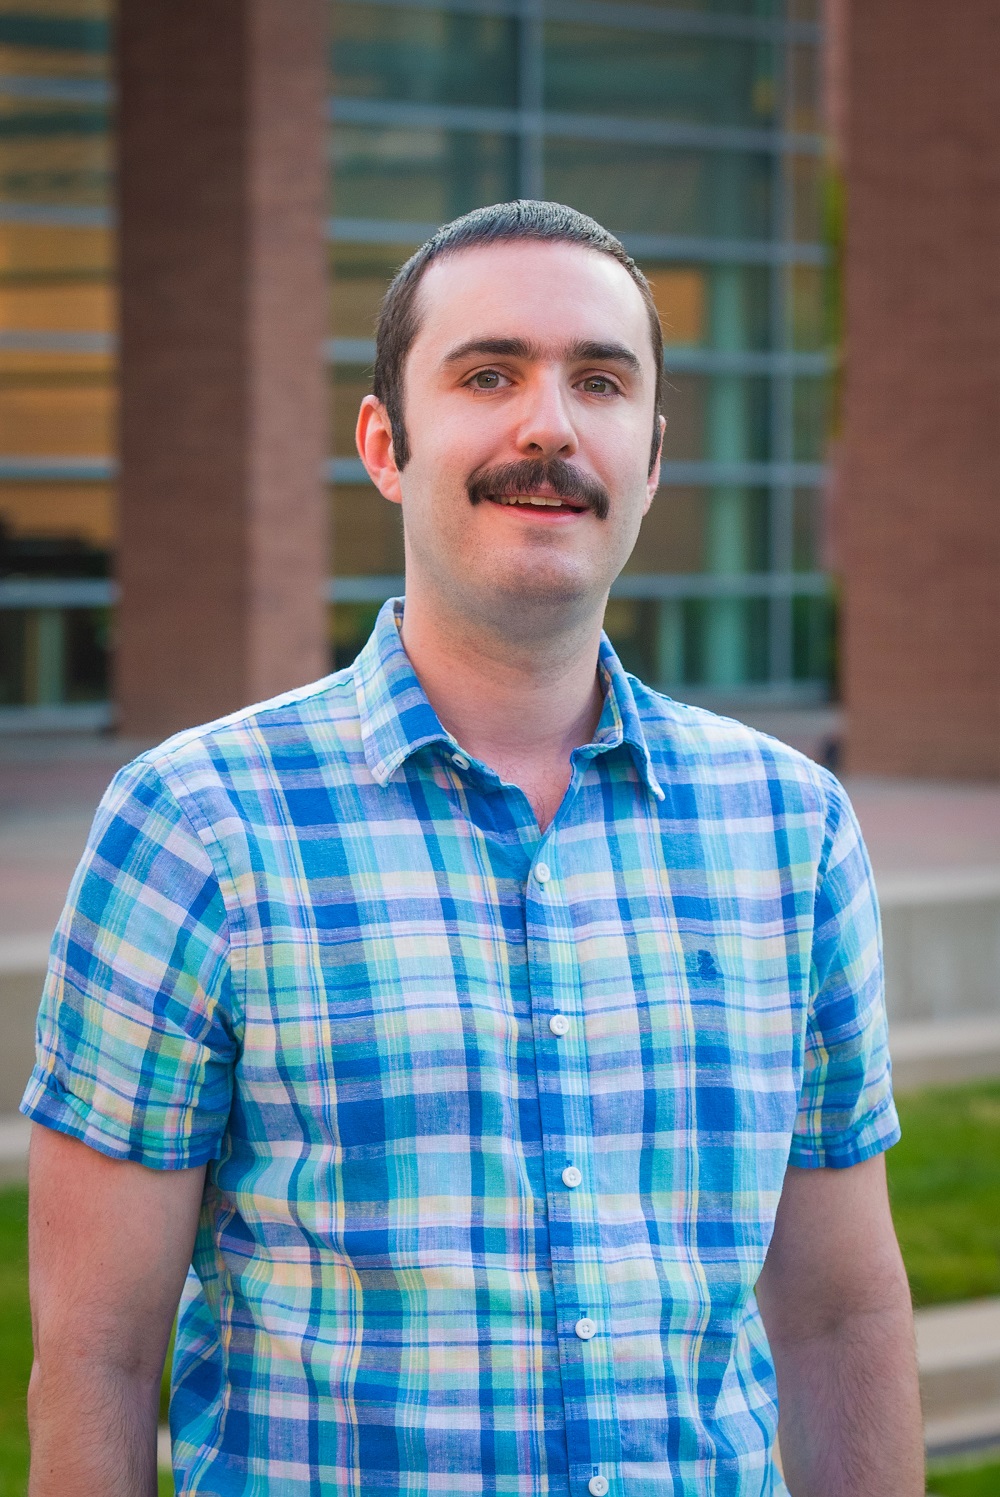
958,1347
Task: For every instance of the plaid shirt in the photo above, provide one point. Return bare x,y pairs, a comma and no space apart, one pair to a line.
495,1121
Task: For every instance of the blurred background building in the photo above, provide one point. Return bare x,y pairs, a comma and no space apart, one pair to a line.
694,132
201,205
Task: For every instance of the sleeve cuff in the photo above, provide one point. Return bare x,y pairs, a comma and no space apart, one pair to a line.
46,1101
871,1135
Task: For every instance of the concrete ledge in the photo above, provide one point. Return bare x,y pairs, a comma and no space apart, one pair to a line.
941,933
958,1347
938,1054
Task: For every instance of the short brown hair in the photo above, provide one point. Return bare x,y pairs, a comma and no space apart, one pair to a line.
554,223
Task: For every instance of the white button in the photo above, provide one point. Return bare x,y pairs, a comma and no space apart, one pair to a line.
585,1329
460,761
559,1024
597,1486
543,872
571,1176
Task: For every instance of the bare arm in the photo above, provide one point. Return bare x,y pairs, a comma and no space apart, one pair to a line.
110,1243
836,1306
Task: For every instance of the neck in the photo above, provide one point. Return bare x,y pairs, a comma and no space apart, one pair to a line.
520,703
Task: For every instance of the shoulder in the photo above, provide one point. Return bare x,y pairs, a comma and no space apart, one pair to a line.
691,745
243,757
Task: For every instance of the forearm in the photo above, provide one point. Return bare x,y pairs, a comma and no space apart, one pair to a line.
93,1430
850,1422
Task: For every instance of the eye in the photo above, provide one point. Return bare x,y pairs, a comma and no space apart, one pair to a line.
597,384
485,379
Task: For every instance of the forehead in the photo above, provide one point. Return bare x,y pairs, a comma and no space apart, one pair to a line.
554,294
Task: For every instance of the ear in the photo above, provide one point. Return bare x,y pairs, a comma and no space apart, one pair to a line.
374,442
653,481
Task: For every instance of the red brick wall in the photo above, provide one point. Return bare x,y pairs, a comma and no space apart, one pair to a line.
919,481
223,549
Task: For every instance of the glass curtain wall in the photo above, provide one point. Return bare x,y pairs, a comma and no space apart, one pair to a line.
693,131
690,129
57,374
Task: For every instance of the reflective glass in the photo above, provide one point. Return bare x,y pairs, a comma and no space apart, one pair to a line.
672,537
367,532
745,621
423,56
808,530
358,277
807,174
348,384
721,418
55,38
768,9
54,152
690,530
809,308
350,626
650,74
652,190
680,295
805,87
811,418
425,176
813,639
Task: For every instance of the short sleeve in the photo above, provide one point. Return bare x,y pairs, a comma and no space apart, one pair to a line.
846,1112
136,1035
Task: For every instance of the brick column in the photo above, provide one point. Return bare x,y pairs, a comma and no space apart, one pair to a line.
223,550
919,482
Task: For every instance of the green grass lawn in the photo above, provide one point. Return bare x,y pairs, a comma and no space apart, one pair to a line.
966,1480
944,1178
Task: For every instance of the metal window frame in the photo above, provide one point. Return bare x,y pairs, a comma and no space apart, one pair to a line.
632,17
531,119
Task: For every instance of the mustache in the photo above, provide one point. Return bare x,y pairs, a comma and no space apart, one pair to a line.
533,473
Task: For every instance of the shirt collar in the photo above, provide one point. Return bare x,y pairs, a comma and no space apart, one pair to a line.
397,719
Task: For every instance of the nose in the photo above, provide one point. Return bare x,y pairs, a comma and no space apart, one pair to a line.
545,428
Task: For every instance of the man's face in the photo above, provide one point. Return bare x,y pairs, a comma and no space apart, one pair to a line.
528,402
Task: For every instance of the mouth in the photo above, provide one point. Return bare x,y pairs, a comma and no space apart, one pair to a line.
539,502
543,489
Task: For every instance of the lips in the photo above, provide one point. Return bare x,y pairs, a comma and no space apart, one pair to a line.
535,501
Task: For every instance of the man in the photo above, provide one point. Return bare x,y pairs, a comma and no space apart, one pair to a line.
489,1033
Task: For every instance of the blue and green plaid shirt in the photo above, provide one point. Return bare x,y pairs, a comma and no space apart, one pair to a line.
495,1120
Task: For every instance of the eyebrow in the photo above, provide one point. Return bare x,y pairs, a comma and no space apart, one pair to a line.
522,348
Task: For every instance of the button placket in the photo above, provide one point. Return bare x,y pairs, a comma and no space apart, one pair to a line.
581,1295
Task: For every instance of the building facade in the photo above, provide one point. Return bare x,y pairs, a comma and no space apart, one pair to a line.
693,131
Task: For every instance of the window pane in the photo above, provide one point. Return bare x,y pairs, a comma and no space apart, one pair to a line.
690,529
427,176
808,531
367,532
348,385
672,538
653,75
807,199
50,38
53,152
813,639
359,276
758,8
56,529
810,332
680,296
350,626
647,190
425,57
805,91
811,416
